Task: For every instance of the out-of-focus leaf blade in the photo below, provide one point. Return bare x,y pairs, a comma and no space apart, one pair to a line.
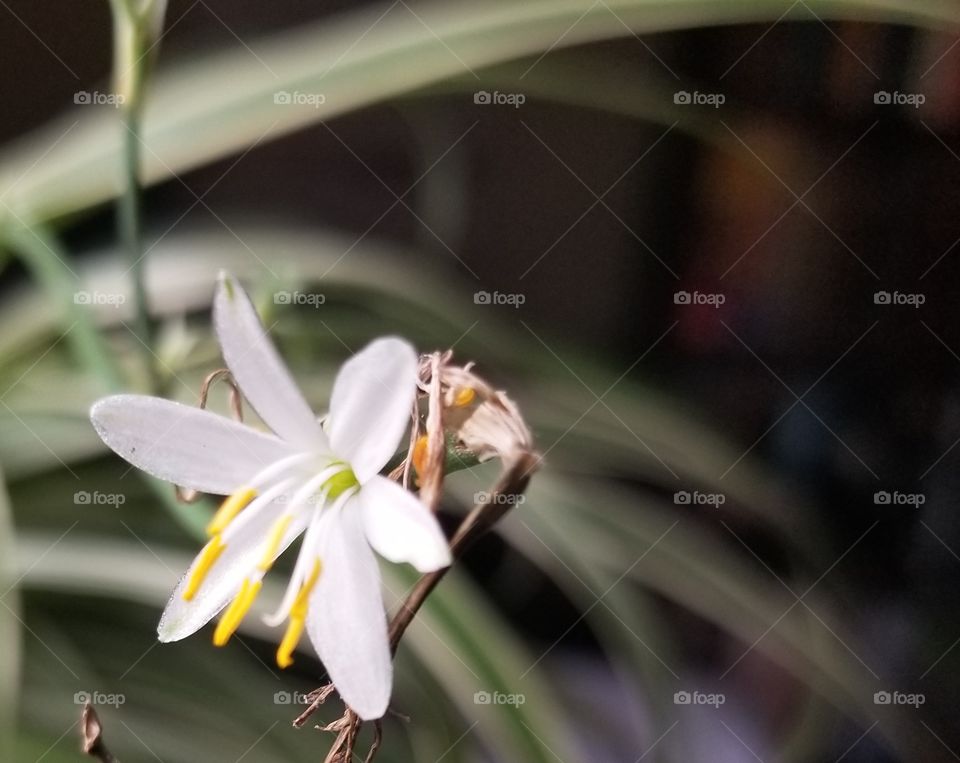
10,629
221,103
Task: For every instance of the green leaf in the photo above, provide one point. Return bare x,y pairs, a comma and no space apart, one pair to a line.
217,105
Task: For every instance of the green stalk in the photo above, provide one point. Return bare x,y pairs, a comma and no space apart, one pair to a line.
130,226
136,24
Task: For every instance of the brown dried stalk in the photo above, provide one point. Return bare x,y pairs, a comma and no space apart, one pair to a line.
511,485
91,731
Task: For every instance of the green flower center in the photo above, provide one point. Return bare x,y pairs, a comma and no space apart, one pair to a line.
340,482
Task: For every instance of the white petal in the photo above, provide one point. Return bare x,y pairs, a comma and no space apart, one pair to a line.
261,374
400,528
370,405
188,446
346,619
244,549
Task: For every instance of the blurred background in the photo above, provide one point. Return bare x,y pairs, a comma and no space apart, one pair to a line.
709,247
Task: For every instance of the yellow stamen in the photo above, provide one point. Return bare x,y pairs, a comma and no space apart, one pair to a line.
298,618
464,396
299,608
420,454
290,640
236,611
211,552
229,509
274,540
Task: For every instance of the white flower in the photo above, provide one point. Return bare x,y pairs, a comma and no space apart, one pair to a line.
321,480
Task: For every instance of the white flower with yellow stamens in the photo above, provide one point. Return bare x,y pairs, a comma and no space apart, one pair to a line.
319,480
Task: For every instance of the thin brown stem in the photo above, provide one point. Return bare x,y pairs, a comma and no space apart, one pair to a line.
377,739
484,515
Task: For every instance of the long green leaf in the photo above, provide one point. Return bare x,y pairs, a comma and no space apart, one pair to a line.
213,107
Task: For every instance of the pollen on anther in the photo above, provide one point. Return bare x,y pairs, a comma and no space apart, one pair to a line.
274,539
236,612
230,508
210,553
298,618
464,397
419,457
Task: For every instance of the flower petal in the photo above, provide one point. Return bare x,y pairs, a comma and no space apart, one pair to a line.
346,619
243,551
370,405
400,528
188,446
261,374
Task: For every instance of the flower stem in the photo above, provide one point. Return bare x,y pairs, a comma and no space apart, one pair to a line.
513,481
130,223
136,25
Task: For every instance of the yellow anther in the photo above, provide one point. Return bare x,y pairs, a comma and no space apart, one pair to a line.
211,552
299,608
290,640
236,611
230,508
298,618
420,454
464,396
274,540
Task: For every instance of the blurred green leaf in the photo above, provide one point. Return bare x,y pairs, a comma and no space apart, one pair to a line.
10,629
219,104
